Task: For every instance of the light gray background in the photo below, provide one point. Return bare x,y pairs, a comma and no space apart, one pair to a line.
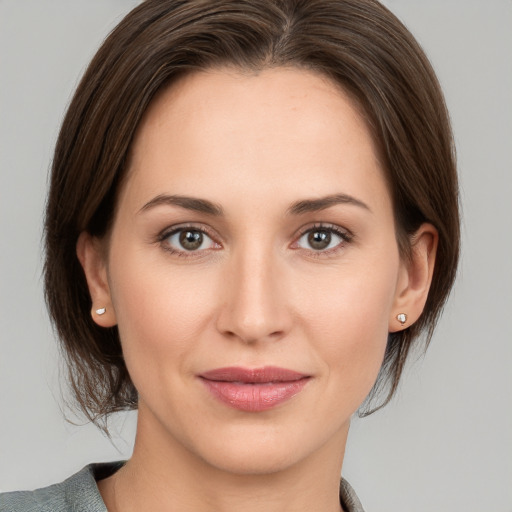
445,443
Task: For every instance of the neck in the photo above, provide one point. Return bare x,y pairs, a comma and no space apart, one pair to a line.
164,475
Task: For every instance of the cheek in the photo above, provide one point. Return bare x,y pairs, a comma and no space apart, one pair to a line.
349,321
159,313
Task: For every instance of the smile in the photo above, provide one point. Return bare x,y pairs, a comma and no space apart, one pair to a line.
254,390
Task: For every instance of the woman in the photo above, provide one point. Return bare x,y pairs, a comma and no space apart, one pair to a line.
252,216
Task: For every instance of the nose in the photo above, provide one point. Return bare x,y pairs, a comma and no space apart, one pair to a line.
255,305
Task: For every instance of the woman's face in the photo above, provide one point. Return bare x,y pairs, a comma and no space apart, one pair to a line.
253,268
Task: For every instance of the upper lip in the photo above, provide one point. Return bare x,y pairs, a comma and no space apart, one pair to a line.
253,375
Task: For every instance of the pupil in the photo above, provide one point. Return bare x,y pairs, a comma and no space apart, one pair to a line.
319,239
191,240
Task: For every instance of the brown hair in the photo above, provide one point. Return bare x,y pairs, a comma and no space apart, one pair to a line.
359,44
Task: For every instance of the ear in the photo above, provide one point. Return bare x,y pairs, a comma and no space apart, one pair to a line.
91,254
414,278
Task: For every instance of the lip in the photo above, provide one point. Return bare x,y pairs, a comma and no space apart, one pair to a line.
254,389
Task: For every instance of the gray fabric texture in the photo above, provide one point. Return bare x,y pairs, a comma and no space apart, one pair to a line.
79,493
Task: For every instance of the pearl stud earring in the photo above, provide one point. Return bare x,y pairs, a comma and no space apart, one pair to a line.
402,318
101,311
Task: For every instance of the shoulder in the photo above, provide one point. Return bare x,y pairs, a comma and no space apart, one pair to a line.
79,493
348,498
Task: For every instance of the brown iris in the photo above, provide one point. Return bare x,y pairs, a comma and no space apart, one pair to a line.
319,240
191,240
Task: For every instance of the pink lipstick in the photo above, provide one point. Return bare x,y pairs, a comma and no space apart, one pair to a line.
254,390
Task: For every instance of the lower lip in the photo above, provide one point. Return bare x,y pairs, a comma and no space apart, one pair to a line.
254,397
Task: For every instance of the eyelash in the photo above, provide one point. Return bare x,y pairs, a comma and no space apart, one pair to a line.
345,235
166,234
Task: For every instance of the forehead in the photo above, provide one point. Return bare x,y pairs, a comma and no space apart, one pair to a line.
273,98
278,128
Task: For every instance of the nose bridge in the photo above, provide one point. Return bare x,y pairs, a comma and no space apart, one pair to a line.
255,303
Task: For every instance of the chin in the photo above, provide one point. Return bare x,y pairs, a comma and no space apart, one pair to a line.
266,449
257,458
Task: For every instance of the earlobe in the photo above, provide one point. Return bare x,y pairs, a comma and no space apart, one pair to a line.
91,255
415,278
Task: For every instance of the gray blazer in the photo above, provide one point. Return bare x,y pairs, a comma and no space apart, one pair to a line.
79,493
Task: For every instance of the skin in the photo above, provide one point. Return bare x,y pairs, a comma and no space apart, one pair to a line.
256,293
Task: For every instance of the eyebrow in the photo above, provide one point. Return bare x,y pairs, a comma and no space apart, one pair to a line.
189,203
315,205
210,208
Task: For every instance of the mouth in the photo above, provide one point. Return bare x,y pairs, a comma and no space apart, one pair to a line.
254,390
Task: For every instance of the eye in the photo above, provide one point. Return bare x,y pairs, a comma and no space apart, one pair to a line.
322,239
183,240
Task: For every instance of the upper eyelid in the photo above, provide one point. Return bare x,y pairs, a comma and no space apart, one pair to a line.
344,233
167,232
328,227
206,229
